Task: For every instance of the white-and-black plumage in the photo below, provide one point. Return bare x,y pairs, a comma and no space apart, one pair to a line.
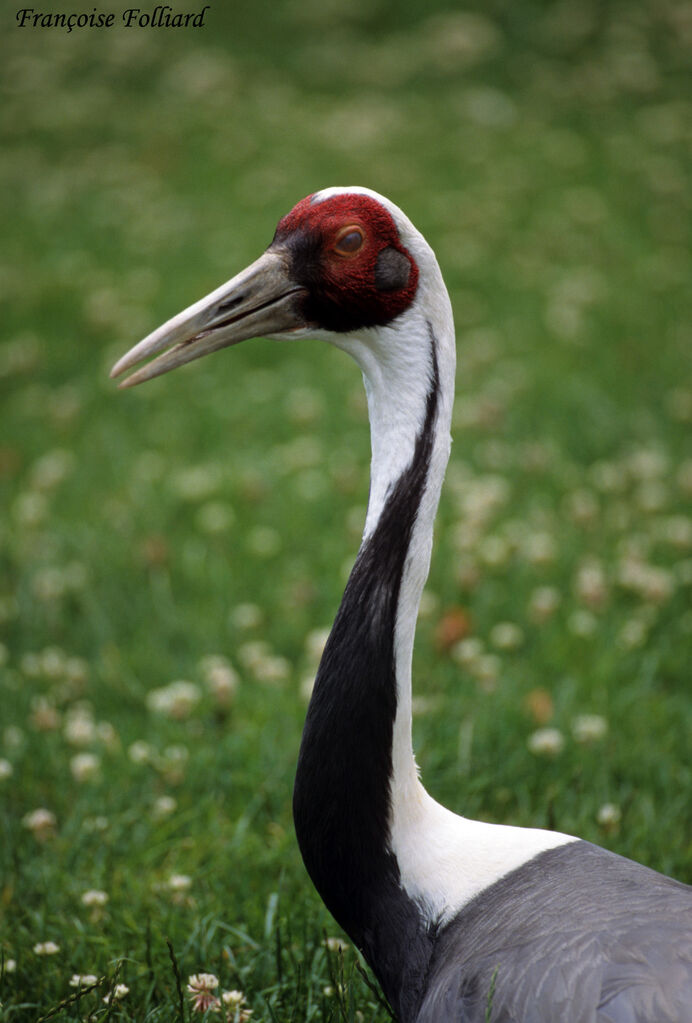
460,920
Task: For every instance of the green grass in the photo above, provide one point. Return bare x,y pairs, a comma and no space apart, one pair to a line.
544,153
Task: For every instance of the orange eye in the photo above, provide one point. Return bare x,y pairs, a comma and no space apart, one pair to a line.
349,240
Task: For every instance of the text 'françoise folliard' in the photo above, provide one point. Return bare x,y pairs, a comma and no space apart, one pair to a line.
162,16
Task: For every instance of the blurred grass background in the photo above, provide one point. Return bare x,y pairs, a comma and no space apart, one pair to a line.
544,151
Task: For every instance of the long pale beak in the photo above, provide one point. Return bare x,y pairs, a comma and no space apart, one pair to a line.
259,301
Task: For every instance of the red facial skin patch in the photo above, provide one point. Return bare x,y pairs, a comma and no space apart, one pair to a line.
347,290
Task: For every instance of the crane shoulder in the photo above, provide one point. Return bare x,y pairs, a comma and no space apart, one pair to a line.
578,934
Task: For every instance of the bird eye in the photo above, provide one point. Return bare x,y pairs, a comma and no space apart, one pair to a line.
349,240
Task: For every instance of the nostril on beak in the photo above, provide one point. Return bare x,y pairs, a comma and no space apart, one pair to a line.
232,303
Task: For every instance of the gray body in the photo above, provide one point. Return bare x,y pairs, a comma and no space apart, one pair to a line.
577,935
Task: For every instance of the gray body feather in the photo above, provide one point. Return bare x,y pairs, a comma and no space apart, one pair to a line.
577,935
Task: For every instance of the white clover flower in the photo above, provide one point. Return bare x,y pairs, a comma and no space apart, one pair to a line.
141,752
647,463
197,483
245,616
181,883
80,727
53,661
609,815
235,1001
164,806
46,948
266,666
589,727
201,987
543,603
649,582
330,990
494,551
106,733
52,468
118,992
83,979
41,822
172,762
467,651
677,531
176,700
590,583
84,766
202,982
211,661
483,495
337,944
6,769
215,517
10,966
548,741
250,653
95,897
506,636
99,823
264,541
221,679
539,548
272,670
487,670
30,508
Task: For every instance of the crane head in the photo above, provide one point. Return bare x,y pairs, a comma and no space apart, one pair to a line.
341,261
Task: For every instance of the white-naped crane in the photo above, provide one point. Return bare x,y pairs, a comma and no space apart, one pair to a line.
460,920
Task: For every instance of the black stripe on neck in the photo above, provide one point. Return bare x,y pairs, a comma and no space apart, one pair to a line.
341,799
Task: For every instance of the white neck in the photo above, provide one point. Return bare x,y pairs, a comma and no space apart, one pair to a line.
444,860
397,365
